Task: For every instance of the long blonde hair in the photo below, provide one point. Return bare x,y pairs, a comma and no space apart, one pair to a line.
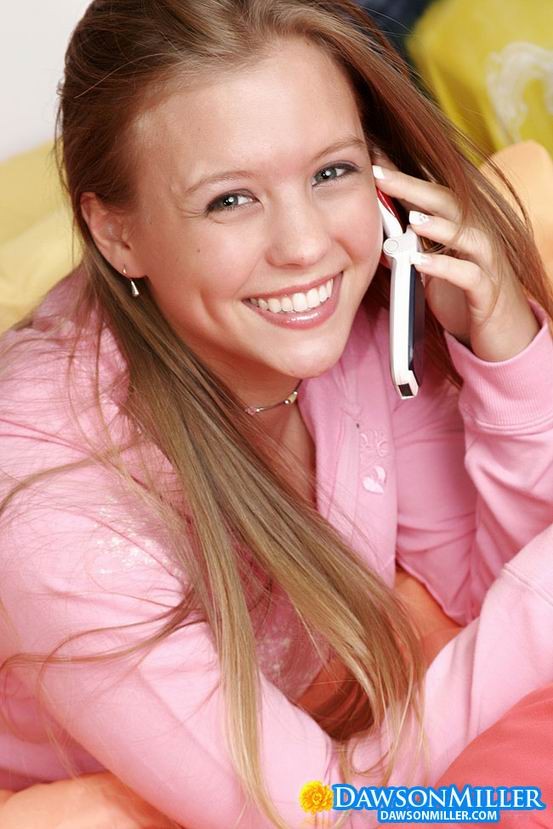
123,57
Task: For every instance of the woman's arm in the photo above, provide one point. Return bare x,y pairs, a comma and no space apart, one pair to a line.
98,801
455,534
474,469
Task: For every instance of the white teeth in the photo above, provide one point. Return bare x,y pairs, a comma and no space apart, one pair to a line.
313,299
298,302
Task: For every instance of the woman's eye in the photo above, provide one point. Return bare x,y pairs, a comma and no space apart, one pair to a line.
347,167
219,206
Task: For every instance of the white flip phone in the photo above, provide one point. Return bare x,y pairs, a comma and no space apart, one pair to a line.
406,302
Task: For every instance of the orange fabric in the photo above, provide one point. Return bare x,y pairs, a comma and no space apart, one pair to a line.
516,751
529,168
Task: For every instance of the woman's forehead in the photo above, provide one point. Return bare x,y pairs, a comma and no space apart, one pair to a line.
246,118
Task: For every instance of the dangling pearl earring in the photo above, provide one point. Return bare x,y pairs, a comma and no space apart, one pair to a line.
134,290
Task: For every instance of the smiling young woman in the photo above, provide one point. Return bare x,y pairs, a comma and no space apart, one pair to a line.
183,551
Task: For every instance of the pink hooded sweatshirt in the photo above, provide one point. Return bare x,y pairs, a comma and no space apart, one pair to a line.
455,487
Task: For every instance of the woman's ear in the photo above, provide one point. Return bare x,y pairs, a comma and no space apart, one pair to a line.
109,229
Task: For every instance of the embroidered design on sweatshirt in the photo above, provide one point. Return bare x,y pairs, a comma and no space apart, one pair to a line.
373,448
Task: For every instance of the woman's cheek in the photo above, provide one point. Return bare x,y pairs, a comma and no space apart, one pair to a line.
227,261
364,230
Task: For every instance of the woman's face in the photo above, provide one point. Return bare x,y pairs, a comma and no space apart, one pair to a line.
297,215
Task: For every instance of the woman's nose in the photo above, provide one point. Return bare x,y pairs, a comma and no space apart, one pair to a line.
300,235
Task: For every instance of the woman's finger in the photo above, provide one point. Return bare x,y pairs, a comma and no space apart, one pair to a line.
418,194
463,273
468,241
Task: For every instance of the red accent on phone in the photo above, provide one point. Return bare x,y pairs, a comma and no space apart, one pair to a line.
388,202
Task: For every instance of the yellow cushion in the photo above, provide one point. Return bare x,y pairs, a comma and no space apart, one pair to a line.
489,65
29,190
36,238
32,262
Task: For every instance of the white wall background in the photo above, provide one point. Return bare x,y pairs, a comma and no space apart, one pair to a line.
33,38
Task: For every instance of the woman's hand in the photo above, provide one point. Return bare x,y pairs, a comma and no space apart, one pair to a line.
460,289
435,628
91,801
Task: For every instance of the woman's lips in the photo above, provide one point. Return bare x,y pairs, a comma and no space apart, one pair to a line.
303,319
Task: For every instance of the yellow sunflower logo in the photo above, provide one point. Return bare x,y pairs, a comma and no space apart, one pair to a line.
315,797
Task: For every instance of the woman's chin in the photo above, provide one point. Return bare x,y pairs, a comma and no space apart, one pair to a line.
304,366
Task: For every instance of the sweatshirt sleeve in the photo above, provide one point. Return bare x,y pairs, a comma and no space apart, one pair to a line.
499,658
475,470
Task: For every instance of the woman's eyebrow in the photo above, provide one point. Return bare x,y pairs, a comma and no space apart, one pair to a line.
342,143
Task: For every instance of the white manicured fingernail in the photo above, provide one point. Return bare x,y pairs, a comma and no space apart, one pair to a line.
416,218
378,172
418,258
